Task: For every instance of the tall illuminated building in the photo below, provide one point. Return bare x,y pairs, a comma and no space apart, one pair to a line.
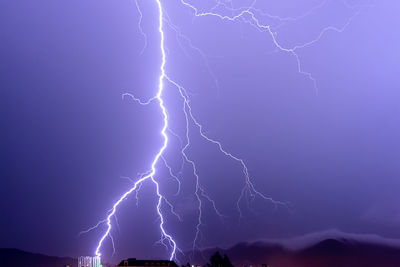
87,261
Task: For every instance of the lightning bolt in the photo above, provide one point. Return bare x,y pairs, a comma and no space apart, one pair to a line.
249,192
149,176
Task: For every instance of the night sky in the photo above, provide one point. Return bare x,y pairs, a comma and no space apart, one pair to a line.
69,139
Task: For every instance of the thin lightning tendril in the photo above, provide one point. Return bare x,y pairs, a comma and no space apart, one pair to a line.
140,26
173,176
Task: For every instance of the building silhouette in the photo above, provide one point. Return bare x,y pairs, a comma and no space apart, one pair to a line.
133,262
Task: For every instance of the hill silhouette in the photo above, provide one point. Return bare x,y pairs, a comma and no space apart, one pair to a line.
330,252
10,257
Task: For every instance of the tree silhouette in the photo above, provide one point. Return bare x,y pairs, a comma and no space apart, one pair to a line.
217,260
226,261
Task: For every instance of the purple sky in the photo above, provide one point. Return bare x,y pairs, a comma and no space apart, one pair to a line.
68,137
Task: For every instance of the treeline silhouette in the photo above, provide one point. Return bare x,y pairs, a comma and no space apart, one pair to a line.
216,260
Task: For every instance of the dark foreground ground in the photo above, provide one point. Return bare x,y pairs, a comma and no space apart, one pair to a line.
326,253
